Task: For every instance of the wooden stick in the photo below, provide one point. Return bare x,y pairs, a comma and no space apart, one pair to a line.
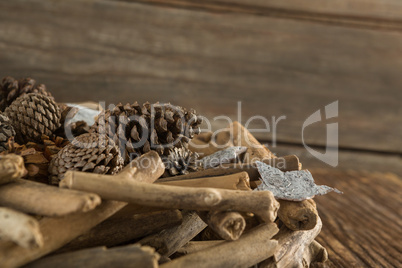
315,254
59,231
202,148
251,248
170,240
298,215
56,233
212,172
113,231
19,228
195,246
262,203
291,247
127,256
204,136
146,168
11,168
229,225
41,199
238,181
285,163
242,137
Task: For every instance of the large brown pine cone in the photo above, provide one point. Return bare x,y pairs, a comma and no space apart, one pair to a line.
11,89
138,129
87,153
6,132
33,115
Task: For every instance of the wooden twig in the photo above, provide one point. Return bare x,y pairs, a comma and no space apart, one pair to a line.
114,231
19,228
298,215
242,137
59,231
238,181
146,168
11,168
170,240
42,199
126,256
212,172
204,136
202,148
285,163
291,247
251,248
262,203
194,246
56,233
315,254
229,225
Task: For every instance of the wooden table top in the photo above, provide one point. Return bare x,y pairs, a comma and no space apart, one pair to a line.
362,227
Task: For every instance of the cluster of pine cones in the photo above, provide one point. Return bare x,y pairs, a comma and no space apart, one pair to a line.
33,125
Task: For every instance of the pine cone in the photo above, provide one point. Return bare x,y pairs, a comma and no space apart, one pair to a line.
11,89
6,132
87,153
78,128
180,161
139,129
32,116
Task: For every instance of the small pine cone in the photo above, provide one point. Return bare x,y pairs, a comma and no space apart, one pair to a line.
139,129
32,116
6,132
180,161
11,89
78,128
89,153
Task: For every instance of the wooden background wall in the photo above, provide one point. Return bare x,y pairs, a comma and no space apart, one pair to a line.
278,57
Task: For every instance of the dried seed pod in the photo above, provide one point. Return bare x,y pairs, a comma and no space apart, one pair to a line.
11,89
88,152
180,161
6,132
37,156
138,129
33,115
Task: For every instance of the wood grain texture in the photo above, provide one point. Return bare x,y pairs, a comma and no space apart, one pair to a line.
361,228
348,160
119,51
371,14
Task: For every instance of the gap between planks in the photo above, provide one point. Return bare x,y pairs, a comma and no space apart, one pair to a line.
344,20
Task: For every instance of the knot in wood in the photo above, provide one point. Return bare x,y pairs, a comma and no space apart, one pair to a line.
212,197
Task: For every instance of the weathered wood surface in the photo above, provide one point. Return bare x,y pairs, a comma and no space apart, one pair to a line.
354,160
210,59
358,13
126,256
362,227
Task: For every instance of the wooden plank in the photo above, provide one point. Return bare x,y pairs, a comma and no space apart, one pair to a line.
117,51
362,227
385,9
348,160
384,15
